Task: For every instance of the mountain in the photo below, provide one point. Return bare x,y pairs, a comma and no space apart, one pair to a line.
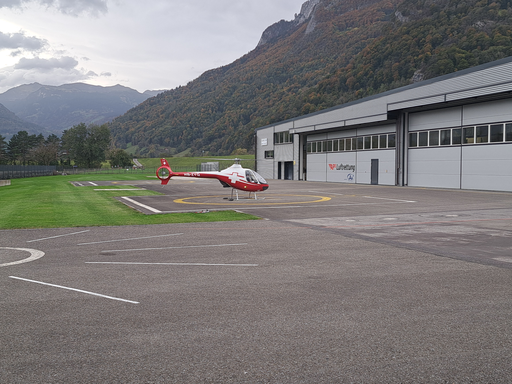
332,52
57,108
11,124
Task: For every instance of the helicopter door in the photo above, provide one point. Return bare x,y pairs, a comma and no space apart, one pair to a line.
260,178
250,177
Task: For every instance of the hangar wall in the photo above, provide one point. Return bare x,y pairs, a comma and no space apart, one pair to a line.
454,131
350,155
264,149
463,147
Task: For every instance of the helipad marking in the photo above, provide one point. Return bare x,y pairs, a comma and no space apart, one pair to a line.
74,289
54,237
34,255
179,247
331,193
133,238
154,210
256,202
183,264
384,198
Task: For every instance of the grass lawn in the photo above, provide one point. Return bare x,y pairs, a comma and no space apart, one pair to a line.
52,201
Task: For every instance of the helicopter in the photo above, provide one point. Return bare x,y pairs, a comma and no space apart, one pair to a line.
235,176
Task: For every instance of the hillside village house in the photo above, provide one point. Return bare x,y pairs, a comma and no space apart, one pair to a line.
453,131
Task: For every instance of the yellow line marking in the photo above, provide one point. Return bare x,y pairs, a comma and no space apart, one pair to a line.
256,202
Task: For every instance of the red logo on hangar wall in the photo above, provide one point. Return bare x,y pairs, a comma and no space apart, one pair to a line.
342,167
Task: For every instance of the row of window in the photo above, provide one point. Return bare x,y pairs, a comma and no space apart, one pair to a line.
490,133
283,137
353,143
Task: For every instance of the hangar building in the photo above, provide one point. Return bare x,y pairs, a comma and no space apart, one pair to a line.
453,131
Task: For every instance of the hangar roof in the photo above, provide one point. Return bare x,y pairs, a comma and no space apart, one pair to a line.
484,80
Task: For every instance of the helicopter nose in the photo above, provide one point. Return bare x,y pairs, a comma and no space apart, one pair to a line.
265,187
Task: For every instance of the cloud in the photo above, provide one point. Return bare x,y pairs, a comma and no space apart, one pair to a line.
66,63
54,71
67,7
19,41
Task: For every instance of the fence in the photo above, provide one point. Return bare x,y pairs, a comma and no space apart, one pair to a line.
20,171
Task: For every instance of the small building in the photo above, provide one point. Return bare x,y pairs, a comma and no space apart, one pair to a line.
453,131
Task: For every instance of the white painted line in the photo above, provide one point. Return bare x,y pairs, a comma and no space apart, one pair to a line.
504,259
54,237
142,205
119,189
34,255
93,184
134,238
183,247
193,264
328,193
383,198
74,289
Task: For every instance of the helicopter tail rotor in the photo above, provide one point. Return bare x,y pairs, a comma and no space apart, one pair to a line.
164,173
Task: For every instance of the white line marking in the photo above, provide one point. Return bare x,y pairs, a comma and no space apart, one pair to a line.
93,184
504,259
54,237
328,193
383,198
183,247
119,189
142,205
74,289
194,264
135,238
34,255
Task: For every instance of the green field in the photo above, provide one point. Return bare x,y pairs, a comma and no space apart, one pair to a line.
52,201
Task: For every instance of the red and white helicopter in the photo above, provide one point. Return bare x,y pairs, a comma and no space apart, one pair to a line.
236,177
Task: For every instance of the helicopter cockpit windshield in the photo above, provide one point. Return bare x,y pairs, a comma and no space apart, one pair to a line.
254,177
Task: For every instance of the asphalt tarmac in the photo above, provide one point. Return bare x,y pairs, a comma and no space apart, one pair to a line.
336,283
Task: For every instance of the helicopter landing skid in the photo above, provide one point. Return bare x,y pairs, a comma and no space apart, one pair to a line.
237,197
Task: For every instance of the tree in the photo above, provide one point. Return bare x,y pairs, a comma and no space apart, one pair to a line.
47,152
119,158
87,145
20,145
3,150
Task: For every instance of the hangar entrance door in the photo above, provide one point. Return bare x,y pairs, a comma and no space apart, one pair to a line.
287,167
288,170
375,172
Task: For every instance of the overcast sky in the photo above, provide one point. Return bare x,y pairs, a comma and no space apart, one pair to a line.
153,44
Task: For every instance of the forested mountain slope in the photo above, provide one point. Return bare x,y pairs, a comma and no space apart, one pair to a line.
333,52
10,124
